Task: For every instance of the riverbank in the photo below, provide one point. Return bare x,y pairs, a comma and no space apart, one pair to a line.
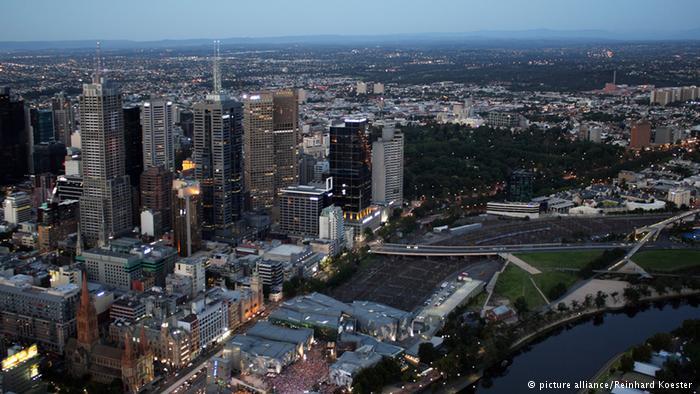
603,370
544,332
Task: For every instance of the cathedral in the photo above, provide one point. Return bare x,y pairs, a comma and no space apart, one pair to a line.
86,355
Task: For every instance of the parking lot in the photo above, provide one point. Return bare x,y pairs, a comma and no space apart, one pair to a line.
407,282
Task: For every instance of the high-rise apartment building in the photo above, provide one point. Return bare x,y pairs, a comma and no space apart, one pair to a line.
158,139
640,135
351,168
331,225
271,134
387,168
105,205
14,138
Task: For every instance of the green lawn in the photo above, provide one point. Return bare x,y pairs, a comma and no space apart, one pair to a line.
514,283
550,260
547,280
668,260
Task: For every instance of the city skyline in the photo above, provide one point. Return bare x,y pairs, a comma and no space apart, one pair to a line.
344,202
158,20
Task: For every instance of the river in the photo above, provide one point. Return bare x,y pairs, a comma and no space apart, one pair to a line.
579,351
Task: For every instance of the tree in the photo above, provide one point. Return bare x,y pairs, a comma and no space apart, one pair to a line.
631,294
557,291
660,341
561,307
426,352
641,353
521,305
369,234
600,299
626,363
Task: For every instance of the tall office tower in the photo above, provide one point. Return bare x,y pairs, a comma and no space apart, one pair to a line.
158,137
387,168
156,194
48,157
217,159
186,123
41,122
301,206
350,167
105,205
187,213
14,138
271,124
18,208
133,142
133,155
63,118
640,135
330,224
520,186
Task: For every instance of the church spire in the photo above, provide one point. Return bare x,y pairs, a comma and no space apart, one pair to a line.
88,332
128,356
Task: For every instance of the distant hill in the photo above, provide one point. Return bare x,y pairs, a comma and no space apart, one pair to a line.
477,36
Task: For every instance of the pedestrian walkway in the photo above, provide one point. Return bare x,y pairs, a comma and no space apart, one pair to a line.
520,263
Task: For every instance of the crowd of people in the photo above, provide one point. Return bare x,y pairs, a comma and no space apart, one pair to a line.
310,374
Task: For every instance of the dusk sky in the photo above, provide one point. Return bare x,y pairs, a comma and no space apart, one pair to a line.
179,19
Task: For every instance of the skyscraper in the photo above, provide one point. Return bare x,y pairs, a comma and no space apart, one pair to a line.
387,168
63,118
133,155
187,207
41,121
133,138
217,158
271,133
14,138
350,167
105,205
158,138
156,194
